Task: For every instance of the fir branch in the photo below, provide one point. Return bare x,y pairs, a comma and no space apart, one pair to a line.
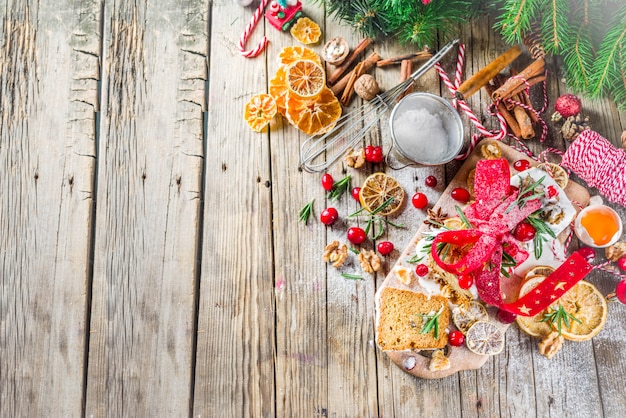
579,51
339,188
516,18
555,27
605,68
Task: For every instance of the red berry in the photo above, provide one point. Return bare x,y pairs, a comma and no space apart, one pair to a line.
356,194
329,216
620,291
551,192
456,338
621,263
524,232
356,235
521,165
374,154
568,105
421,270
460,195
505,317
465,281
385,247
327,182
419,200
431,181
587,253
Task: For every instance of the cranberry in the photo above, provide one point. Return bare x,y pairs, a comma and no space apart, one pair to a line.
524,232
385,247
421,270
327,182
329,216
505,317
419,200
620,291
374,154
551,192
356,194
465,281
621,263
431,181
456,338
587,253
356,235
460,195
521,165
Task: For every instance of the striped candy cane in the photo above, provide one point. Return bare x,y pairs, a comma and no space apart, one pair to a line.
246,34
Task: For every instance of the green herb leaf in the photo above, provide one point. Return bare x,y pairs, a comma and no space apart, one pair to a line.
431,323
339,188
415,259
559,317
351,276
464,219
305,213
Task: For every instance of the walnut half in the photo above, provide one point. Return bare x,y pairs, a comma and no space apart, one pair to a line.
615,251
551,344
370,262
335,254
439,361
355,158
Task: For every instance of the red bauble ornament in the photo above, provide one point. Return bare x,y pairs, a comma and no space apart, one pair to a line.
456,338
620,291
568,105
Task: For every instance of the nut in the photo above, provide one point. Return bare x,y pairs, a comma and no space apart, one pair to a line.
615,251
336,51
439,361
490,151
370,262
355,158
366,87
623,138
335,254
551,344
405,275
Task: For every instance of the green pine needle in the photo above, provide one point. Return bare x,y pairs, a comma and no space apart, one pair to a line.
305,213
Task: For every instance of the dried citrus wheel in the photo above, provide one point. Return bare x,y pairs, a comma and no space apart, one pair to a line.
305,78
279,89
557,172
485,338
454,224
377,190
585,303
465,315
306,31
291,54
315,115
541,271
533,325
259,111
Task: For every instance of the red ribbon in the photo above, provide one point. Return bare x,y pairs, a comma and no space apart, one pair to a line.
494,214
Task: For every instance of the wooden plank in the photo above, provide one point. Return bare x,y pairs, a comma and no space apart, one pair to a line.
236,349
149,195
48,98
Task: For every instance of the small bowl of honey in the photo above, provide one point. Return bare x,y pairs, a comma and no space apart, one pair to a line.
598,226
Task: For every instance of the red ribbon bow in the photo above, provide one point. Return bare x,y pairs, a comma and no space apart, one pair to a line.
494,214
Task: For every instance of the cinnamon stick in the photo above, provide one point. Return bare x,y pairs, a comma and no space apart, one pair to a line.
349,90
531,82
482,77
399,59
406,68
368,63
525,124
525,99
510,119
536,68
348,62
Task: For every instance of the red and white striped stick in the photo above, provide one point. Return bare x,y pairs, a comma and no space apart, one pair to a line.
246,34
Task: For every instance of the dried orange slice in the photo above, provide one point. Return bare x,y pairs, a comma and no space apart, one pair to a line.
305,78
315,115
259,111
464,316
585,303
279,89
538,271
306,31
291,54
485,338
377,190
557,172
533,325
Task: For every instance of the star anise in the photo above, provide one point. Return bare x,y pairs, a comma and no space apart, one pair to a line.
435,218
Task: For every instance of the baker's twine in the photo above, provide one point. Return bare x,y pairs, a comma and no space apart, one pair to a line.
251,53
483,132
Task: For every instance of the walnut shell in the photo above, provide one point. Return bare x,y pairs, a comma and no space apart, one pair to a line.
366,87
336,51
615,251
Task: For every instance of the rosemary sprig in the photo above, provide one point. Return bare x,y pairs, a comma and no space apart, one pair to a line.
431,323
376,223
559,317
464,219
527,192
354,250
351,276
542,229
305,213
507,261
339,188
415,259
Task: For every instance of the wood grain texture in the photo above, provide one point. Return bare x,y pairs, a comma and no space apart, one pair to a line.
47,149
236,339
149,190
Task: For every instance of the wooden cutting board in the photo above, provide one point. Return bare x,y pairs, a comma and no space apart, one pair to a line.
461,358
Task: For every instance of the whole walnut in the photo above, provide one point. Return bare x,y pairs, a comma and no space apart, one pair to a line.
366,87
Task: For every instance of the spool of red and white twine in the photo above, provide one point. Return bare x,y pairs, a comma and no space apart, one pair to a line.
251,53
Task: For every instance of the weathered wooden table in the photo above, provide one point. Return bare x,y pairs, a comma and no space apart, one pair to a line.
152,259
